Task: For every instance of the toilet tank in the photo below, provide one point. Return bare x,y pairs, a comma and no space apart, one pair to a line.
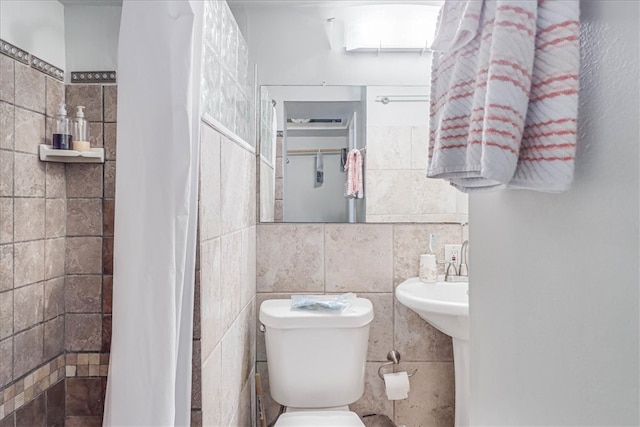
316,359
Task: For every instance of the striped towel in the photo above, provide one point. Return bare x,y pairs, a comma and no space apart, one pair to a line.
353,187
504,95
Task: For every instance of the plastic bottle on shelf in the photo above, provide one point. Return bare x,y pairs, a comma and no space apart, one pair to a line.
80,131
62,134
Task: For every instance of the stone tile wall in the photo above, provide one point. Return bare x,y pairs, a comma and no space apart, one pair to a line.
224,317
32,249
370,260
56,239
90,190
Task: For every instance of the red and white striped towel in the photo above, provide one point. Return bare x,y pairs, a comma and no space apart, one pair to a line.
504,94
353,187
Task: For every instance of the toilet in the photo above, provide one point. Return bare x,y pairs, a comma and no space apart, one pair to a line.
316,361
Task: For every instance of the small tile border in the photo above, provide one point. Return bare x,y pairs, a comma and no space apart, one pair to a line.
36,63
71,365
81,77
26,389
87,365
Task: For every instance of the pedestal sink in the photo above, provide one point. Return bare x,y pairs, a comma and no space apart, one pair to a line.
445,305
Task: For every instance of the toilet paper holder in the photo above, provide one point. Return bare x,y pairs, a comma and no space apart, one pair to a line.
393,358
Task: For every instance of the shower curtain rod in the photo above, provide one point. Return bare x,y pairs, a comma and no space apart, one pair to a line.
402,98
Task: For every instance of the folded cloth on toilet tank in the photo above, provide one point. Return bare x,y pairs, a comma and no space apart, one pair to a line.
322,302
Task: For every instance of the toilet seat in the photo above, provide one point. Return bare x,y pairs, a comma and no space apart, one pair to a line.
319,419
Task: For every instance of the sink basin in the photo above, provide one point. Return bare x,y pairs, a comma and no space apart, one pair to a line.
445,305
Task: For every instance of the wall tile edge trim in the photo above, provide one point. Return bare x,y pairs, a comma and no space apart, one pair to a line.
93,77
26,58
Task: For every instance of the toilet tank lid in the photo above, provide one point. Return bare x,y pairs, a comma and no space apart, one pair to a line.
277,313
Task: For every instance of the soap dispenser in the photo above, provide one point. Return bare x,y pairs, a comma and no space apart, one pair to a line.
80,131
62,133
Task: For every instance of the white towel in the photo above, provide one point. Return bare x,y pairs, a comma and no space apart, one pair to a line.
504,95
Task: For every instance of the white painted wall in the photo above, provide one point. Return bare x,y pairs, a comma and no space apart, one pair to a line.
36,26
554,278
292,45
91,35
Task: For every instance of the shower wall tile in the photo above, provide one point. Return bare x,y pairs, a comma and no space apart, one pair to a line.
30,86
211,303
7,126
107,294
6,169
6,267
29,175
29,130
28,265
210,203
29,221
84,180
53,338
108,213
110,103
231,268
55,404
238,178
96,134
28,306
55,181
110,130
88,95
432,397
107,255
55,221
212,389
6,314
83,332
84,255
6,354
33,413
54,295
109,179
369,269
28,350
7,79
84,217
106,334
54,96
85,397
83,294
6,220
291,258
54,257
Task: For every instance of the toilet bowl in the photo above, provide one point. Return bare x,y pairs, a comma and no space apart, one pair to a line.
316,361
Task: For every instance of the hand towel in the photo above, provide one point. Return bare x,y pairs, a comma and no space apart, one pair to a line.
504,95
319,169
354,187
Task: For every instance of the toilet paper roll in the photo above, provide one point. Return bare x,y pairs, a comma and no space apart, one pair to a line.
428,268
396,385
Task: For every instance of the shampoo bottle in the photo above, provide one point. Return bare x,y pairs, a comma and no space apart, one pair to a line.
62,131
80,131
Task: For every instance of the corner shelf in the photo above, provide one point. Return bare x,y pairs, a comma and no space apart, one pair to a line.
48,154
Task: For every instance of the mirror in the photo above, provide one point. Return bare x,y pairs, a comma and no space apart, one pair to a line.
318,102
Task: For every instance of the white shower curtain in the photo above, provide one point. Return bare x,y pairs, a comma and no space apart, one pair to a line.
149,381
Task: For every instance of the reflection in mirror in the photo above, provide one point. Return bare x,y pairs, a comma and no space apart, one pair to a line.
388,126
320,100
